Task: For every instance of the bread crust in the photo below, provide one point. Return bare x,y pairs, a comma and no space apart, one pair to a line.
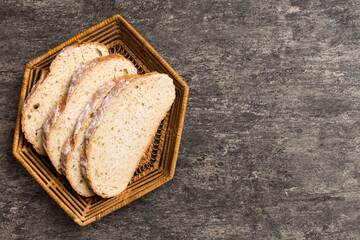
35,89
85,163
67,149
55,114
77,78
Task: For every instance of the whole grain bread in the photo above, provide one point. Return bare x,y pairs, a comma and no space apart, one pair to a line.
83,86
122,129
52,87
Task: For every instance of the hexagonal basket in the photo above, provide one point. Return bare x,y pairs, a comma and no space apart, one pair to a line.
157,165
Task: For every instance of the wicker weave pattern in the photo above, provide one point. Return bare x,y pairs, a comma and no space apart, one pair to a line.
157,165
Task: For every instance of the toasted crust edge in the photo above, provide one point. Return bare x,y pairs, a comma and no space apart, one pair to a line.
55,114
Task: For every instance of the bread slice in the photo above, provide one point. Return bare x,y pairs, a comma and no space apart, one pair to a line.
122,129
50,89
83,86
75,145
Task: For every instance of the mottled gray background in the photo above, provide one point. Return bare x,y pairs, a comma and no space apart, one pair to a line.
270,148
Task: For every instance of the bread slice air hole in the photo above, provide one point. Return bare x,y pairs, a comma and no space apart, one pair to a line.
99,52
36,106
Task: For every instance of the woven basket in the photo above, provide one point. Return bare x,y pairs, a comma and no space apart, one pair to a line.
158,164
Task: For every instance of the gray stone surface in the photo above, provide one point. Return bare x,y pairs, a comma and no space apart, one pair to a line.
270,148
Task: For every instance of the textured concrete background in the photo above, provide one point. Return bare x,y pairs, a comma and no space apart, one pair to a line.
270,148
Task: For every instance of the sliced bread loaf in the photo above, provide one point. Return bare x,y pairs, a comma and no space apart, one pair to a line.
83,86
75,145
122,129
50,89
